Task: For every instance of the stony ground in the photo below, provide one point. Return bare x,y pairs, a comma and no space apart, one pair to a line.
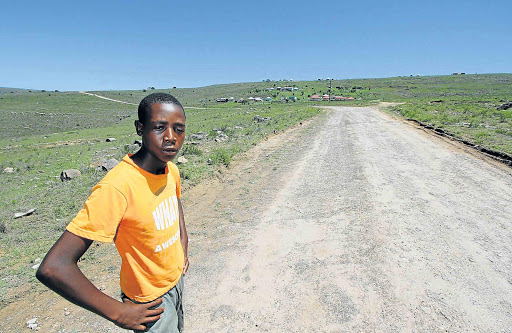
352,222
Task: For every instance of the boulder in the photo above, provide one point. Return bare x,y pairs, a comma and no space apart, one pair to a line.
198,136
9,170
505,106
260,119
26,213
221,138
69,174
109,164
131,148
138,142
182,160
32,323
110,140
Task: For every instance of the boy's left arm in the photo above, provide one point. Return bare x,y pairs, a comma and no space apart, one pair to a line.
183,237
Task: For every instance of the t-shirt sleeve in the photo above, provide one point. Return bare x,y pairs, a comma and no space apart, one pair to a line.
100,217
176,175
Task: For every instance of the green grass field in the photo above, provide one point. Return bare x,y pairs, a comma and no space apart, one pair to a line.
46,132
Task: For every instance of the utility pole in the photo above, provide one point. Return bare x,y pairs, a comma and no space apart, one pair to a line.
330,87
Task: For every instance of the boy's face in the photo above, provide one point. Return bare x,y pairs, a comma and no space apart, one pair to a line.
163,132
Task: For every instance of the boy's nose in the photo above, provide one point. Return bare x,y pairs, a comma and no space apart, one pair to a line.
169,135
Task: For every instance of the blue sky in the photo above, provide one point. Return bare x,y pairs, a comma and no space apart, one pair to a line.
101,45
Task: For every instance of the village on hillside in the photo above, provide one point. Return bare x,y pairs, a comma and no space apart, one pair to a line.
285,99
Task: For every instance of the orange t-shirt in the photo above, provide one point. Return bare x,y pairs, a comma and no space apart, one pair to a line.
139,212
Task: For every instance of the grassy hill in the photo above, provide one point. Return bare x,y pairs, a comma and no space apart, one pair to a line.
4,90
462,100
46,132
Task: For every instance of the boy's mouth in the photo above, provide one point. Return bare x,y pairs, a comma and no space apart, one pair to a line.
170,150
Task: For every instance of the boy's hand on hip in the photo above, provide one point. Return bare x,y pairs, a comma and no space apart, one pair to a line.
133,316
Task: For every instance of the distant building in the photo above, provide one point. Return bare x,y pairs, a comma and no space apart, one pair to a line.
315,98
222,100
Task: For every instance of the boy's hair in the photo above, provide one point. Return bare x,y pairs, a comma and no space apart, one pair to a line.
145,104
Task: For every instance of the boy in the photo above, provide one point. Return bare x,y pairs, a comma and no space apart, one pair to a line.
137,205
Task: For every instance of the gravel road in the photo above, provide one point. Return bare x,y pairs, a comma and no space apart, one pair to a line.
353,222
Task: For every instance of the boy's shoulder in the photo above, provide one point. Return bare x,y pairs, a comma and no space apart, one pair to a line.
121,174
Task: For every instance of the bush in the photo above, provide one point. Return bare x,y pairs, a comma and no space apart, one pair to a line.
223,156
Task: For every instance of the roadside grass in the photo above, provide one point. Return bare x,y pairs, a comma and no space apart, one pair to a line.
473,117
46,132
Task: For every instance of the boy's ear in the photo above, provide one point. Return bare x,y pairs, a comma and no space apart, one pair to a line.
138,127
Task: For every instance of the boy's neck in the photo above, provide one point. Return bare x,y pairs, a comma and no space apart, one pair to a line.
148,163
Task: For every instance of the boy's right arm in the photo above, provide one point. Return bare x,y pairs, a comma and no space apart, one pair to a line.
59,271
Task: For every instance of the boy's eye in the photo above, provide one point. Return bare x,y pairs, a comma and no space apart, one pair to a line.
180,130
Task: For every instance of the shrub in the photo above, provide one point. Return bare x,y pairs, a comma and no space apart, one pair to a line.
223,156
